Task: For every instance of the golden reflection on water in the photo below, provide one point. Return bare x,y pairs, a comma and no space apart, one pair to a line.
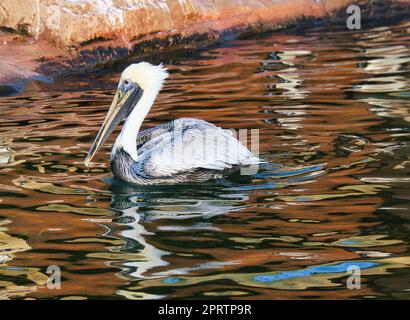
332,108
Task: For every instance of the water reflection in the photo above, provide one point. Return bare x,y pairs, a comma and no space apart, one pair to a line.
29,279
139,206
332,112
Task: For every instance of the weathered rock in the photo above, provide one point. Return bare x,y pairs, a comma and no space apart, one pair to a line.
19,59
75,22
55,36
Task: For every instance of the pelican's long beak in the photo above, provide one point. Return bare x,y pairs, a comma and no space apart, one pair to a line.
121,106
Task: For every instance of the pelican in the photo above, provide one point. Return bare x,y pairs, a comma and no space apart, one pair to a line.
184,150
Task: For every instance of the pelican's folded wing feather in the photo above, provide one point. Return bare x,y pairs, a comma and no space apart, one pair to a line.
192,145
148,134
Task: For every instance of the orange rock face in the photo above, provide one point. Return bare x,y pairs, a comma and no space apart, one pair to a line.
59,31
67,23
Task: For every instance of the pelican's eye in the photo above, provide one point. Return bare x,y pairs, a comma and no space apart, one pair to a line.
126,85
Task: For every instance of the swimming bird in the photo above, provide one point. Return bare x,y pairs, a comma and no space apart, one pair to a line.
184,150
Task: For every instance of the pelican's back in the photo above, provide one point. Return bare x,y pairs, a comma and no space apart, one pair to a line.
190,145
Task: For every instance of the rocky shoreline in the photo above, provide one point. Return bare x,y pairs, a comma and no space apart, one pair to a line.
48,38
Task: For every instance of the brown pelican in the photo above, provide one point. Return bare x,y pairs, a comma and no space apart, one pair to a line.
181,151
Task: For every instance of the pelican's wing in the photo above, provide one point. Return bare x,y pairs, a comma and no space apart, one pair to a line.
148,134
192,146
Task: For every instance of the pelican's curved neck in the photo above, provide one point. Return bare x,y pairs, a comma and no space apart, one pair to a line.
129,133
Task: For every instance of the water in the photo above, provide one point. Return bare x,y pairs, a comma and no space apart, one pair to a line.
331,103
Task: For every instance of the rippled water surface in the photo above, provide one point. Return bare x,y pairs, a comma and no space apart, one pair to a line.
333,104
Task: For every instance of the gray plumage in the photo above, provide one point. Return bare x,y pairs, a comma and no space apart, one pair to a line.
181,151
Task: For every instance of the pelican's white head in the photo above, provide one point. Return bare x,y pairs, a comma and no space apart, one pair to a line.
138,87
146,75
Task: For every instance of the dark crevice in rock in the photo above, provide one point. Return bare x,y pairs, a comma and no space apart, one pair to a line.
23,29
91,41
7,30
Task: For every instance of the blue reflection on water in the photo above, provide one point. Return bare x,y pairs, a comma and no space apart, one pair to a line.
172,280
338,268
348,242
